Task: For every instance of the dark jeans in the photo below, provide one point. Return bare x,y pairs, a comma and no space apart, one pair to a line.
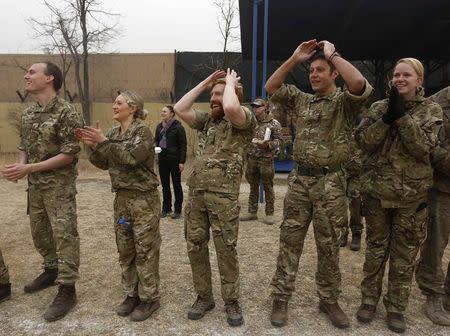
167,169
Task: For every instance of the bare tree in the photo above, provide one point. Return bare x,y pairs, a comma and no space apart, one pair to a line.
77,28
228,23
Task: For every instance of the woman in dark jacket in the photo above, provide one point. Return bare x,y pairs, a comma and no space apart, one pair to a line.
171,137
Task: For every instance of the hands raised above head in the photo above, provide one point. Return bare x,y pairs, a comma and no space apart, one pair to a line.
232,78
307,49
89,135
209,81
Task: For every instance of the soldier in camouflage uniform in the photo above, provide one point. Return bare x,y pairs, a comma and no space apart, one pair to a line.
127,153
317,186
429,275
224,135
397,134
260,165
48,154
5,285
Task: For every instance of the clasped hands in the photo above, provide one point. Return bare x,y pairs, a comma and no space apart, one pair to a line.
396,107
90,136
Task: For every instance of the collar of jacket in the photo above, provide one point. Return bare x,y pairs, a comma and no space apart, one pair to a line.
50,105
332,96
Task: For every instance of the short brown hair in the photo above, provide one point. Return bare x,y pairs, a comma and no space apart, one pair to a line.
239,89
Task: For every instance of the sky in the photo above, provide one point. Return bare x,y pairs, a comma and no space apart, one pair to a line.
146,26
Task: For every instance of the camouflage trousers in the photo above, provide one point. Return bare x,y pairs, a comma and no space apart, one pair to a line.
322,200
4,275
220,212
139,248
260,169
429,274
395,235
53,221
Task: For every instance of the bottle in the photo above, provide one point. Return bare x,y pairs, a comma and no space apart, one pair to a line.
267,134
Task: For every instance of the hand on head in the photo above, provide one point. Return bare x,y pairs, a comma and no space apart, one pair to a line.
232,78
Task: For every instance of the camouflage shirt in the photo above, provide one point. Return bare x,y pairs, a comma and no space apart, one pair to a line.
324,123
219,157
398,155
267,121
129,157
441,155
46,132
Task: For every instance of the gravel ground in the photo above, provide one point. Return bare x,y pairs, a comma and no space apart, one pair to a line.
99,286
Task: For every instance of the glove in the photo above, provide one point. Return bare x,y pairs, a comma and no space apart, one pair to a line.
396,107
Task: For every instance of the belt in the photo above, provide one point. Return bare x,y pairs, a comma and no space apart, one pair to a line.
317,171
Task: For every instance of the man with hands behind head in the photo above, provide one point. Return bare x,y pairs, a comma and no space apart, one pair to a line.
224,135
317,185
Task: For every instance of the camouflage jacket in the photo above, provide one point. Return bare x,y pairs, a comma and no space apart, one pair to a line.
267,121
398,155
221,147
46,132
324,123
129,158
441,155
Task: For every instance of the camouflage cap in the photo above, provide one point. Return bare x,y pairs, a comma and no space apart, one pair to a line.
258,102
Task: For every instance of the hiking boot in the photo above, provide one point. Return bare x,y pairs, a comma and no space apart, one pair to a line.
128,305
248,216
335,313
278,318
355,244
234,314
164,214
144,310
5,292
434,310
446,302
343,242
269,220
366,312
396,322
200,307
176,215
63,302
44,280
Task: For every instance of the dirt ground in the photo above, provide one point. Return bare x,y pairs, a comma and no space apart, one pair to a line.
99,288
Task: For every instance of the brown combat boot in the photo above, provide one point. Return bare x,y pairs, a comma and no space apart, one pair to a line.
335,313
279,315
5,292
63,302
366,312
234,314
200,307
435,311
44,280
396,322
128,305
144,310
248,216
446,302
269,220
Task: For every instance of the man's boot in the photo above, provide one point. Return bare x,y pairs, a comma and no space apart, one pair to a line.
200,307
128,305
5,292
234,314
446,302
248,216
279,315
144,310
434,310
366,312
396,322
335,313
64,301
343,242
355,245
44,280
269,220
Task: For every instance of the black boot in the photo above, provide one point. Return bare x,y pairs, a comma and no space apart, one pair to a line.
64,301
44,280
5,292
355,245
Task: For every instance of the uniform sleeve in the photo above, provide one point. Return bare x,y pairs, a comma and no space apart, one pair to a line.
353,103
372,131
97,159
440,157
182,143
250,121
200,120
420,139
69,121
276,136
139,152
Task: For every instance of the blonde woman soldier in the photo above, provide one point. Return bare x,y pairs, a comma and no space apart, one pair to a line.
398,134
126,151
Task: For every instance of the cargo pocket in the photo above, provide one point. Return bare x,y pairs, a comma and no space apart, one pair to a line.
229,219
